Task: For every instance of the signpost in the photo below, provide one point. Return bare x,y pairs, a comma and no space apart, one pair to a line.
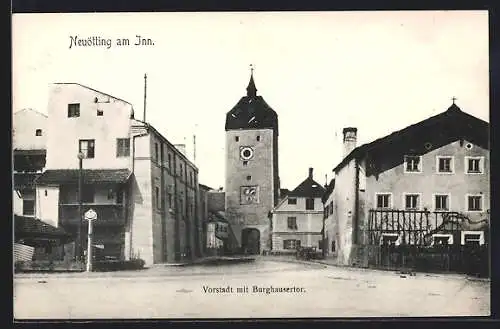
90,215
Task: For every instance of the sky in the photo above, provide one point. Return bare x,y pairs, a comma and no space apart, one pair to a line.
320,71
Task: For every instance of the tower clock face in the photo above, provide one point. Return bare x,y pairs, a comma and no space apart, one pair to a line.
246,152
249,194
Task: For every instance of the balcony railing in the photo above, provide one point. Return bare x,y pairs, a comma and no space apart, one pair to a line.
107,214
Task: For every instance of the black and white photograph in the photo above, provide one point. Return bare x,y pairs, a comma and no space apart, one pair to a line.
242,165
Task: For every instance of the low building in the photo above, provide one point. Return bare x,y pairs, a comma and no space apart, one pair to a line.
297,221
144,190
29,152
424,185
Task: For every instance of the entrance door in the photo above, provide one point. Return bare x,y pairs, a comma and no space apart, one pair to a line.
250,241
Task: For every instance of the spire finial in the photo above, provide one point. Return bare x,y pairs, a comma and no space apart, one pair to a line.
453,99
251,89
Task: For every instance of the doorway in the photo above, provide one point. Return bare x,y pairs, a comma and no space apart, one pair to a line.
250,241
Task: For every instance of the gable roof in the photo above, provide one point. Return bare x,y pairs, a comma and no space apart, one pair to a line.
95,90
309,188
446,127
328,190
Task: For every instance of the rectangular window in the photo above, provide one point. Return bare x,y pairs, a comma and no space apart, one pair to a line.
38,132
245,163
73,110
412,163
170,201
333,245
258,138
291,244
169,161
474,165
309,204
157,198
88,194
292,223
87,147
441,202
474,202
191,178
412,201
100,112
111,194
28,207
236,138
292,201
162,156
445,164
475,238
383,200
123,147
156,152
181,171
331,207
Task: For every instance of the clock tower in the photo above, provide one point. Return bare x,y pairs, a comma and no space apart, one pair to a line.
252,181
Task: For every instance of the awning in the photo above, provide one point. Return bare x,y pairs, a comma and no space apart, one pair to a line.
33,228
90,176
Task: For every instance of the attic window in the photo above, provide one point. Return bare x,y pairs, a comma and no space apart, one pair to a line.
100,112
468,146
96,100
249,177
38,132
314,185
292,201
428,146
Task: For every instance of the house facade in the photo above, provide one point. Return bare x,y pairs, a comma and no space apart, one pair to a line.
424,185
297,221
144,190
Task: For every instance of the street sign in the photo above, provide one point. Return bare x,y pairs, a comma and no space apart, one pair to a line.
90,214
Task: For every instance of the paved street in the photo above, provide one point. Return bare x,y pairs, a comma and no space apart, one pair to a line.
299,290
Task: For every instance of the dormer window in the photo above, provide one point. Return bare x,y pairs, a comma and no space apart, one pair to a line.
412,164
38,132
292,201
100,112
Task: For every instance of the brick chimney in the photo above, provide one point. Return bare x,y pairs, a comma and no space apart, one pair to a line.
349,141
311,173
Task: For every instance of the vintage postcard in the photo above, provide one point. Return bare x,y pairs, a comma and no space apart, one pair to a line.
251,165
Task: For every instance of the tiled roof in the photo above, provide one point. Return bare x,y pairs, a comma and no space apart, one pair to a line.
328,190
251,112
32,227
24,180
216,216
438,130
90,176
308,188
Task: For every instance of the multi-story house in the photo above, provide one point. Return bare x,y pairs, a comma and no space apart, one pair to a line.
29,150
426,184
143,189
297,221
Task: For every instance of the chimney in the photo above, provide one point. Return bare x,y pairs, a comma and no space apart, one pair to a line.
181,148
350,135
311,173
